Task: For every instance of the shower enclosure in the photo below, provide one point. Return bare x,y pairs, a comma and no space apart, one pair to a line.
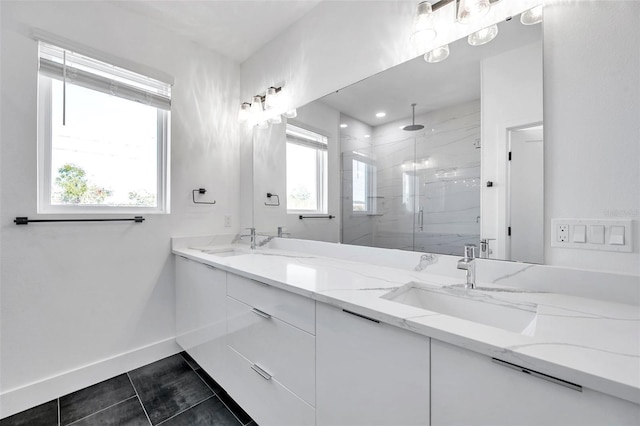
414,188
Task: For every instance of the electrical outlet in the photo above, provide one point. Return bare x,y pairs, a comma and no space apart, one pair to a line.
227,221
562,233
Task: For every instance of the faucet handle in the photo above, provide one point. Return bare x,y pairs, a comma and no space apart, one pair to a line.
470,251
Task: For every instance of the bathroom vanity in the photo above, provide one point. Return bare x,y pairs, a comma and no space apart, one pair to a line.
310,333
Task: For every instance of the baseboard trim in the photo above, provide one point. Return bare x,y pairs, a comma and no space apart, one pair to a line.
24,397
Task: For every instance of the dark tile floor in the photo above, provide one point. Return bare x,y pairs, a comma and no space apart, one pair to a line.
174,391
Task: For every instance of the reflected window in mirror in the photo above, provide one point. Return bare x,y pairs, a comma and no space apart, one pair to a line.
364,187
306,171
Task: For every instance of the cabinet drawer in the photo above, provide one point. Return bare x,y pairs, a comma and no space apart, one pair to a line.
266,400
291,308
287,352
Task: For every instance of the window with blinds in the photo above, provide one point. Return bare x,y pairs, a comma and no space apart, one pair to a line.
103,135
306,171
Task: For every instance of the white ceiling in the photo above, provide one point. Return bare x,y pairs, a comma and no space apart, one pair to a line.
234,28
431,86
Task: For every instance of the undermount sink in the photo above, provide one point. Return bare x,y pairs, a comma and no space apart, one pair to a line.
222,251
487,306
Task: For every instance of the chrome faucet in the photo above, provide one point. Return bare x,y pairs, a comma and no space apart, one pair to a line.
468,264
252,234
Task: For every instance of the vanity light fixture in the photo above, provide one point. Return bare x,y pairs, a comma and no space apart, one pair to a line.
470,10
438,54
245,112
483,36
423,30
256,106
265,109
532,16
272,98
276,119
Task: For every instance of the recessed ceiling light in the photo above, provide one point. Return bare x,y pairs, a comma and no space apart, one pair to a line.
367,136
381,114
343,126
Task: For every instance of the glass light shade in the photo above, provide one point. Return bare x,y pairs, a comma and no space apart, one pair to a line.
483,36
468,10
292,113
245,112
423,31
532,16
272,98
277,119
438,54
256,108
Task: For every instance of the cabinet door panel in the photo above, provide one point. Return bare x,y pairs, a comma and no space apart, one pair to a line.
201,314
468,389
369,373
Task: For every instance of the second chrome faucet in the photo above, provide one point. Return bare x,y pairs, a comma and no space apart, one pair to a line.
468,264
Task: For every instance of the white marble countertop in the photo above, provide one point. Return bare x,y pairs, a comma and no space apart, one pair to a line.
593,343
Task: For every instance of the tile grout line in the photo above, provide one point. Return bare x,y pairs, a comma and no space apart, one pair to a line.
99,411
186,409
187,361
205,382
230,410
212,391
139,399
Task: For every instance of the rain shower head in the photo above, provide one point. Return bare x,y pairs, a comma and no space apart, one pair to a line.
413,126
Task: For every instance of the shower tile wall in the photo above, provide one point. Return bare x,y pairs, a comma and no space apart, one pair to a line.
436,169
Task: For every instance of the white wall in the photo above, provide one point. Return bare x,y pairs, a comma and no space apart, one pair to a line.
78,294
592,116
590,94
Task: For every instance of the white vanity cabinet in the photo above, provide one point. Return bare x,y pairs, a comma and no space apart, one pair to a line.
201,314
271,353
369,373
468,389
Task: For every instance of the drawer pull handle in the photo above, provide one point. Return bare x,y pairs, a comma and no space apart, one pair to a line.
542,376
261,313
361,316
261,372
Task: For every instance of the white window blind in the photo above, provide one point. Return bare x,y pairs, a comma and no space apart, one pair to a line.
74,68
300,136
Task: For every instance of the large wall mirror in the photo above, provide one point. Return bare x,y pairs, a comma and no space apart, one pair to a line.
424,156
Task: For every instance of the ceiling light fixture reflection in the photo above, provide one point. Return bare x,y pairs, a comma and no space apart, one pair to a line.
367,136
343,126
381,114
483,36
423,31
532,16
438,54
470,10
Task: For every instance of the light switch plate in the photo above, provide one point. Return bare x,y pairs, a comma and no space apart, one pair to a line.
593,234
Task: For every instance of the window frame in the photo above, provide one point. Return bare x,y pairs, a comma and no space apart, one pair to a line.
44,162
322,171
370,187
